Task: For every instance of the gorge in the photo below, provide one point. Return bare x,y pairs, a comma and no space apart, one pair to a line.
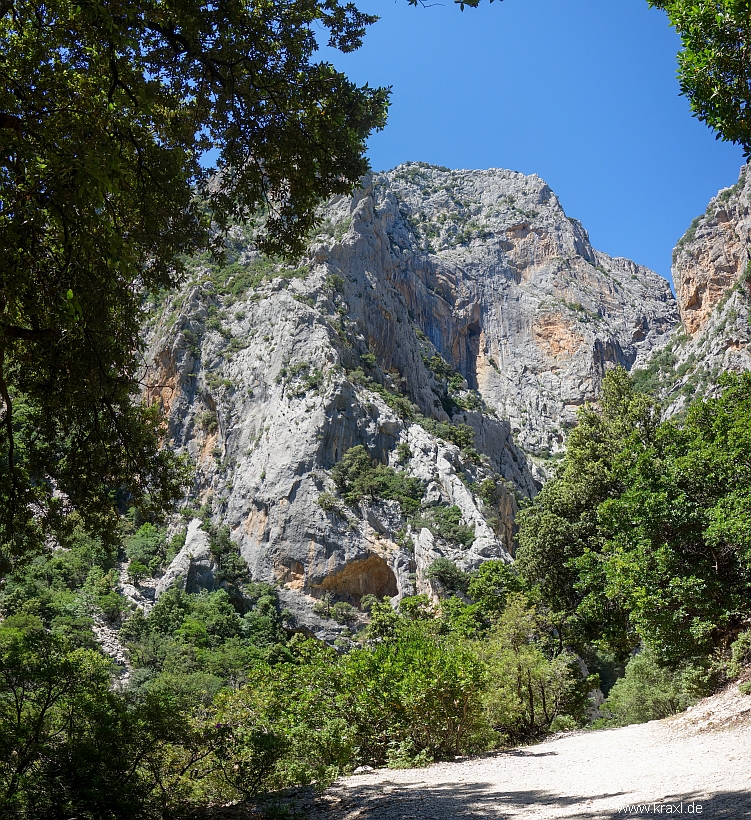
451,322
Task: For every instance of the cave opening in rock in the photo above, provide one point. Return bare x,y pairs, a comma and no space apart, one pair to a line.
366,576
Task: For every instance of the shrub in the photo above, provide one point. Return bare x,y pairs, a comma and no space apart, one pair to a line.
414,693
446,523
322,606
648,691
208,422
448,575
328,502
491,585
488,492
563,723
532,685
356,479
343,613
403,452
740,654
136,571
147,546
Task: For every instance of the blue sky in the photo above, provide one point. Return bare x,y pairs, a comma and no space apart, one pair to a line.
581,92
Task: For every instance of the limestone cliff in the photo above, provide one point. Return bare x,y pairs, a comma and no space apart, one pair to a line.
511,291
711,272
449,321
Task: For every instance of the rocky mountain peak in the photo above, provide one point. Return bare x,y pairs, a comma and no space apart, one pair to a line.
386,400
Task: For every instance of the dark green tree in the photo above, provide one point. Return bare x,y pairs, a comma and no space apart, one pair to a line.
560,538
106,110
678,538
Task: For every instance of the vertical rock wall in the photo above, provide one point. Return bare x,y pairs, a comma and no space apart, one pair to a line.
429,298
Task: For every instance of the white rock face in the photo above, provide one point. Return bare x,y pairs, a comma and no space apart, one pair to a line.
268,374
514,294
192,569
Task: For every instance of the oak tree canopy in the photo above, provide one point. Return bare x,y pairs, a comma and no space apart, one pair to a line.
106,109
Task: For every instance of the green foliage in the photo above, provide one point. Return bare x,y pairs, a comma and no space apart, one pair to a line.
740,654
491,585
302,378
99,209
356,479
563,723
147,547
328,502
418,689
488,492
460,434
192,635
438,366
60,719
343,613
403,452
560,541
648,691
446,523
231,566
713,71
661,367
448,574
644,536
532,684
208,422
136,571
221,706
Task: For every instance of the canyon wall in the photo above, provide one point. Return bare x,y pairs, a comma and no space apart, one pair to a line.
711,273
451,322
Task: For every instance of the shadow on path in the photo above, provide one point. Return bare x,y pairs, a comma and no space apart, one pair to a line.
465,800
479,800
387,800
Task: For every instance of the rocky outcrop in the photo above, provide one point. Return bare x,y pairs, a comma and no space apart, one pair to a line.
193,568
510,291
713,254
449,322
712,276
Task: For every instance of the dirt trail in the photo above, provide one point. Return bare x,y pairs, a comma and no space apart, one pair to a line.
700,759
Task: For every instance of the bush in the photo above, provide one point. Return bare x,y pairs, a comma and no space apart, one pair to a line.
648,691
328,502
355,479
147,546
488,492
448,575
208,422
343,613
136,571
446,523
491,585
740,654
403,452
532,685
563,723
417,692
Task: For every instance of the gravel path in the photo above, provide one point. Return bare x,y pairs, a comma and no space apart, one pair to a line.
696,763
590,775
